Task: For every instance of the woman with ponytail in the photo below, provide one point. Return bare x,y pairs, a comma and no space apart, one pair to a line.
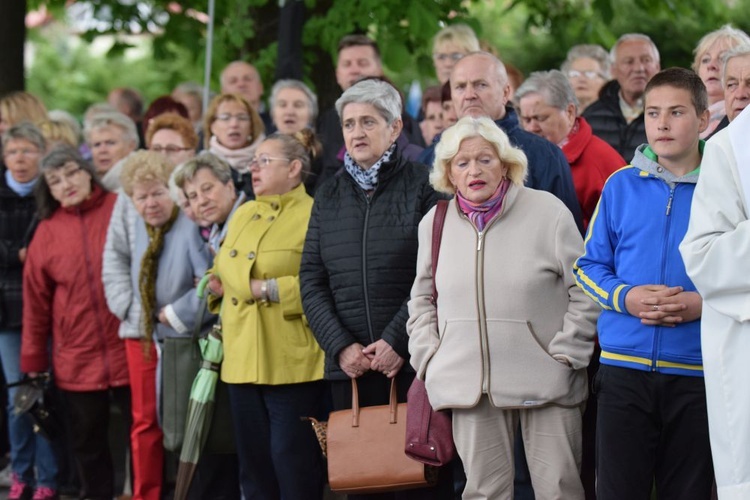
169,256
272,364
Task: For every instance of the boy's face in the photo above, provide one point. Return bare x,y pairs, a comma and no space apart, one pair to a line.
673,126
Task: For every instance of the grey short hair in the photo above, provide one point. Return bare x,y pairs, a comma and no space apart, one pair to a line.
25,131
552,85
382,95
738,51
632,37
112,118
186,172
595,52
727,32
312,99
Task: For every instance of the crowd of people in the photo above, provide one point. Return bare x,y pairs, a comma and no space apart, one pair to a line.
583,324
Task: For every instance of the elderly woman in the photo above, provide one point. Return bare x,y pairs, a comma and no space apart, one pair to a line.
272,364
65,316
449,45
511,335
32,462
173,136
206,181
548,107
17,107
708,65
587,69
360,252
233,132
111,136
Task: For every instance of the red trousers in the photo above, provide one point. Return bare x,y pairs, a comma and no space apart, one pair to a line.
146,439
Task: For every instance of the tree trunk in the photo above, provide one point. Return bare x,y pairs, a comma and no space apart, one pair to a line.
12,38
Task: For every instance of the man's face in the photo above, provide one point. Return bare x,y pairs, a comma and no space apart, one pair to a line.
478,89
355,63
636,61
737,85
242,78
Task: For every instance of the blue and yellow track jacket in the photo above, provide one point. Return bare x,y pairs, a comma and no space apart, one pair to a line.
633,239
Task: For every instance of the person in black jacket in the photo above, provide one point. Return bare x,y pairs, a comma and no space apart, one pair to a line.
617,117
359,258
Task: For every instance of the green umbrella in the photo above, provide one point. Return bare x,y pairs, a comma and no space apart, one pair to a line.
200,406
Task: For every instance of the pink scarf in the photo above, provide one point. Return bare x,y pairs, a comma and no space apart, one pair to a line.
481,213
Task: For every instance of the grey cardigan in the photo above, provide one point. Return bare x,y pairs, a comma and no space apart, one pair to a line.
511,322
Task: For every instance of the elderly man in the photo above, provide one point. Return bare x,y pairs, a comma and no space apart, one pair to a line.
480,87
239,77
111,136
617,117
735,78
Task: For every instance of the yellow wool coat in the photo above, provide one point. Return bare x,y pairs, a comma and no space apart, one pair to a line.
266,344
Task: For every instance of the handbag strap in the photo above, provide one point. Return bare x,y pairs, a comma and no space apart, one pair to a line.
437,235
392,403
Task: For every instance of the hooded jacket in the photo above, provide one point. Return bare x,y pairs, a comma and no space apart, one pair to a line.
633,240
63,297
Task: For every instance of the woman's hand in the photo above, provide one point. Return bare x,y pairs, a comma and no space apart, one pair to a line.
22,255
162,317
353,361
255,287
383,358
214,286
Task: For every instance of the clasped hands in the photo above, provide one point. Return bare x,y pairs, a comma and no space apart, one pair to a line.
356,359
663,305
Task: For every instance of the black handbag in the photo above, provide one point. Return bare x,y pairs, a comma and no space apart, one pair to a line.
181,360
36,397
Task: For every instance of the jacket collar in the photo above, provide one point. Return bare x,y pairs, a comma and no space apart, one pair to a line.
95,199
283,200
646,163
509,122
578,140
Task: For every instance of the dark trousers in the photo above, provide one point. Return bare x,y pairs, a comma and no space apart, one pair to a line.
651,427
89,418
278,453
374,389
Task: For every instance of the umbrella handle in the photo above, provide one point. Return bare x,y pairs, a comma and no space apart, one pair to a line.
201,288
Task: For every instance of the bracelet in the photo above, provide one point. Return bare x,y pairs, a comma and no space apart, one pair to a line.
264,293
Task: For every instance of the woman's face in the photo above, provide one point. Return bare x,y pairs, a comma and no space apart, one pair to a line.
366,133
171,144
709,69
210,200
232,125
291,111
273,173
585,76
70,184
539,118
449,114
445,57
22,159
153,203
476,171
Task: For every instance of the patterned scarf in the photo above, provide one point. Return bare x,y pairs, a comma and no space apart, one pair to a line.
367,179
481,213
147,277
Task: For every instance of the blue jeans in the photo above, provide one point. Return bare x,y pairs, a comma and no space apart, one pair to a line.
27,449
278,453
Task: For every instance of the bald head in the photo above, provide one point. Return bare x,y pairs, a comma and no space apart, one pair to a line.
479,86
242,78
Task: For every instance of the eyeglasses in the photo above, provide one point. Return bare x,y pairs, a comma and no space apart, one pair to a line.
574,73
23,151
68,172
263,161
442,57
169,149
241,117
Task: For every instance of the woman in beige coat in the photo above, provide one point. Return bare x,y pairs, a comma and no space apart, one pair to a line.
511,334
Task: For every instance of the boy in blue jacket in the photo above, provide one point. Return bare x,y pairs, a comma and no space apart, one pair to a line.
652,424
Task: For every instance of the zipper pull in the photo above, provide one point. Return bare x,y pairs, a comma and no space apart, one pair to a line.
669,202
479,241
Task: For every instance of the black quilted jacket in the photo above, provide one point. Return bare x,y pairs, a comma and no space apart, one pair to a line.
359,260
608,124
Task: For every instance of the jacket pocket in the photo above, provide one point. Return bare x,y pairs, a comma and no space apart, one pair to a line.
523,373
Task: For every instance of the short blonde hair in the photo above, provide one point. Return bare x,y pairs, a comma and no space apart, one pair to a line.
728,33
58,131
466,128
256,124
22,106
458,34
145,166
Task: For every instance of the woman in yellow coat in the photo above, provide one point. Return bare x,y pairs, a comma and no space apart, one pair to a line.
272,364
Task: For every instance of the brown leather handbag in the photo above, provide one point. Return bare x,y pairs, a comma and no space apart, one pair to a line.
366,449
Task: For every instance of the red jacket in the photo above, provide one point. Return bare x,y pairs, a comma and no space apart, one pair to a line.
63,296
591,161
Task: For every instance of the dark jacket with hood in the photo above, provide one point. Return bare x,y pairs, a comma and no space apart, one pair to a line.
359,259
